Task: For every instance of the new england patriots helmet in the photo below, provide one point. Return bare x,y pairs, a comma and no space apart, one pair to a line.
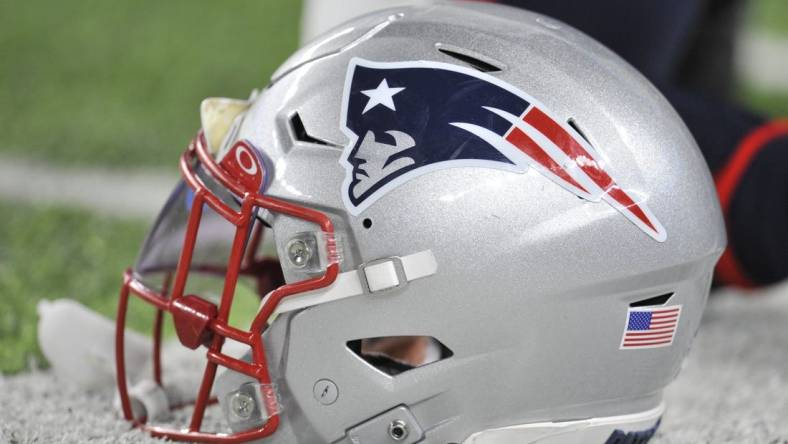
463,223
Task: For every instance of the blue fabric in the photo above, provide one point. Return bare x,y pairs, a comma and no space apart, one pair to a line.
427,101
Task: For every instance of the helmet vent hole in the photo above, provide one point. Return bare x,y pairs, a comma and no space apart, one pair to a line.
478,61
656,300
300,133
394,355
573,123
367,223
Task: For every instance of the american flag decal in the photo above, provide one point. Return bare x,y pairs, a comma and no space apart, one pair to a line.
650,327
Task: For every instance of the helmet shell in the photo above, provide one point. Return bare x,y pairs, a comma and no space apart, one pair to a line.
533,284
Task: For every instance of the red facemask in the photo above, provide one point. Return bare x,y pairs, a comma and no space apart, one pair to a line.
215,202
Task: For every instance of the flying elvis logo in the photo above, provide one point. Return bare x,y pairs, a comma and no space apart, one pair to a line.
406,119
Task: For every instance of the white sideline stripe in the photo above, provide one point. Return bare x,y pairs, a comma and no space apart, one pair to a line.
762,60
138,194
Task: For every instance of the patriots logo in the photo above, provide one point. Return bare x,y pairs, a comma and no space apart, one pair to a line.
406,119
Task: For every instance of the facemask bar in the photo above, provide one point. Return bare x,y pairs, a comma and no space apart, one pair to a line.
212,321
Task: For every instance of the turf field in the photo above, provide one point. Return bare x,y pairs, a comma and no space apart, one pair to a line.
771,103
96,83
770,16
56,252
119,83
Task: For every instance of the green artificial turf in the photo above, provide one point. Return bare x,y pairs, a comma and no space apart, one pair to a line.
56,253
51,253
119,83
774,104
770,16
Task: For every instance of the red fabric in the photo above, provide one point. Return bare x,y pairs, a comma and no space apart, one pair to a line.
727,179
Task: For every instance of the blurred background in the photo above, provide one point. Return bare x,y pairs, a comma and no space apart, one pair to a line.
98,99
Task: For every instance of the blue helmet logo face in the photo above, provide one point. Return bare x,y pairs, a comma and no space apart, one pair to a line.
399,118
406,119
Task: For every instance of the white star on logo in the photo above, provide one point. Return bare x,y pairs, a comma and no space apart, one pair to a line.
382,95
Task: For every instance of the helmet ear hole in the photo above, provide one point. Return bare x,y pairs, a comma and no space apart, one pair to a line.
394,355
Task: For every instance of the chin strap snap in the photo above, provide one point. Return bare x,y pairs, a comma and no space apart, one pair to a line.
371,277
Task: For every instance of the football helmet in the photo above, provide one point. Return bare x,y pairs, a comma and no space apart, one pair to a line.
466,223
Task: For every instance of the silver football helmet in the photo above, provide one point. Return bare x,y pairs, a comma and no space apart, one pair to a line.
489,229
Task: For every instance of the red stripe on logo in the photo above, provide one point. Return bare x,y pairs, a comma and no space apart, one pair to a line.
553,131
527,145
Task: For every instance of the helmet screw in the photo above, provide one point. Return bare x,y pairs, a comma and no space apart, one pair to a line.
242,405
298,252
398,430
